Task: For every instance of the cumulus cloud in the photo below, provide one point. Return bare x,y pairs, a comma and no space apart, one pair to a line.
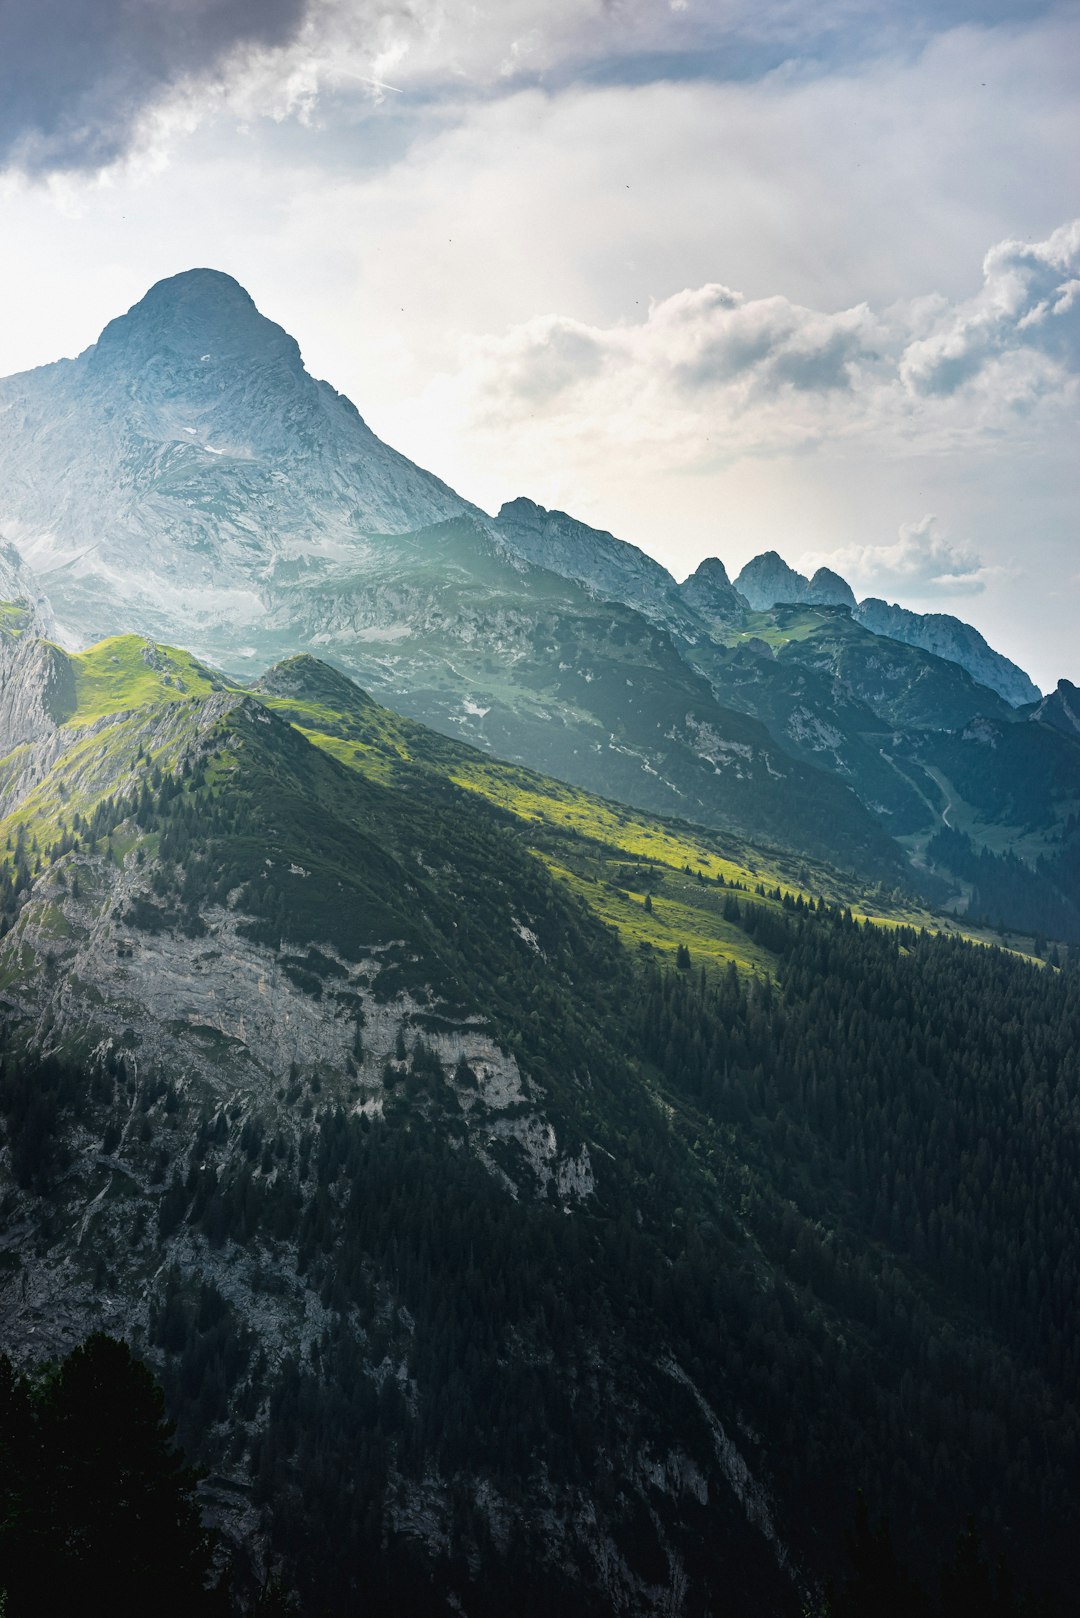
767,343
708,374
766,369
1023,325
76,78
923,563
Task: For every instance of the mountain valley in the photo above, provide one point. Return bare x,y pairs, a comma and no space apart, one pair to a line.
185,478
565,1076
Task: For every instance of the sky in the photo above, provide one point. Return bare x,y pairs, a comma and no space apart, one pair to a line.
720,276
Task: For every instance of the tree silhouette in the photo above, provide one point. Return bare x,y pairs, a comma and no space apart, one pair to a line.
99,1508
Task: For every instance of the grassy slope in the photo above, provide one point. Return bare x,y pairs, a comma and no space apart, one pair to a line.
125,672
115,734
610,855
138,705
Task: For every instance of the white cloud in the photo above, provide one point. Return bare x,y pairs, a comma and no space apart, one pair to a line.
707,374
1021,332
923,563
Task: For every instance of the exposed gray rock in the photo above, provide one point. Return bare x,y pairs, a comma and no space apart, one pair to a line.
950,638
609,568
828,589
37,690
767,581
186,463
712,595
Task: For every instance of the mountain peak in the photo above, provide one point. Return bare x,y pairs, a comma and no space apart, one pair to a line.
711,593
521,509
829,589
309,679
767,580
201,315
712,570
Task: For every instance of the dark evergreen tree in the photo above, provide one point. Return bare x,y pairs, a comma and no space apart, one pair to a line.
100,1511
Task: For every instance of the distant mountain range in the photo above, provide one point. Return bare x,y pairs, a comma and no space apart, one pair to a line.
185,477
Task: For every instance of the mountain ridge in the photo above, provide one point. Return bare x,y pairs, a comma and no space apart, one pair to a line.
187,478
182,338
521,1160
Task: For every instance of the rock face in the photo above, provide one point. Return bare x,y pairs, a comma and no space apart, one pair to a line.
1061,708
37,690
767,581
712,595
608,567
187,463
828,589
950,638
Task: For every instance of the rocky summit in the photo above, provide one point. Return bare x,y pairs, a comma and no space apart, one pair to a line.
767,581
186,464
950,638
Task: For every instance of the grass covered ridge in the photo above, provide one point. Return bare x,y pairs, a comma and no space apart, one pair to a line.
658,884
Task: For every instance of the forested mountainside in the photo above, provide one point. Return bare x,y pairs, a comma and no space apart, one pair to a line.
525,1201
186,478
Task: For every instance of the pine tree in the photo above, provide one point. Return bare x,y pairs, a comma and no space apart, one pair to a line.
111,1519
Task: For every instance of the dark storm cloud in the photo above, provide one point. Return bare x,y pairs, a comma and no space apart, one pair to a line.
75,75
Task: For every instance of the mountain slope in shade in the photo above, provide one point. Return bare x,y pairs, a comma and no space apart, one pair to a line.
453,628
1060,708
483,1258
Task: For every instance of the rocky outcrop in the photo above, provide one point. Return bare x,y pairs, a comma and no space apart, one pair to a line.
37,690
1061,708
767,581
608,567
951,638
712,595
828,589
